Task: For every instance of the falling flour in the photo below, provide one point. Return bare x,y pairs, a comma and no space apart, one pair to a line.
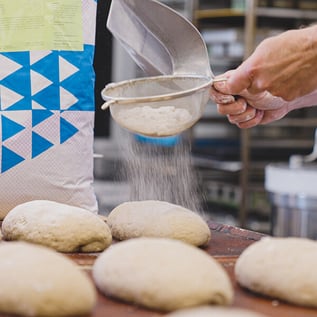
157,172
154,121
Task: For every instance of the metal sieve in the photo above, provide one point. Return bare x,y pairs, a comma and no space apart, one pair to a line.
171,50
158,106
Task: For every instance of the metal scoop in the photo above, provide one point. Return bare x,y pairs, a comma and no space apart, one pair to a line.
159,39
172,51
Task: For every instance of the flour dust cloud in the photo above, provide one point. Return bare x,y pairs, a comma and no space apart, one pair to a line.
157,172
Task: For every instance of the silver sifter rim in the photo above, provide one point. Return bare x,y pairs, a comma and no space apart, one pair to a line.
170,96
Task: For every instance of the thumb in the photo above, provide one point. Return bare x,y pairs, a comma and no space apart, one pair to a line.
222,84
238,80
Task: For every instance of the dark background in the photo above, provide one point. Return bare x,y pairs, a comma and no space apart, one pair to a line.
102,66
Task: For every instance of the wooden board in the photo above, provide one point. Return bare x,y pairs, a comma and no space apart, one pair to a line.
226,245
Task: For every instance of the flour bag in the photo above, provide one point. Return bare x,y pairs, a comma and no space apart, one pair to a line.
47,102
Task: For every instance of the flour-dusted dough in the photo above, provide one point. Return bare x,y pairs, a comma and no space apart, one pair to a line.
282,268
38,281
161,273
152,218
59,226
208,311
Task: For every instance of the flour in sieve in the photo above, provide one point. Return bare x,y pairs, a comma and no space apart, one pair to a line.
155,121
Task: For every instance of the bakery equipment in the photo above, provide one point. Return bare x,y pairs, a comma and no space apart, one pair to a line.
173,53
293,195
160,105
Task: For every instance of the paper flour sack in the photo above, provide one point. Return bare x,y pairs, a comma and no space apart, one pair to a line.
47,102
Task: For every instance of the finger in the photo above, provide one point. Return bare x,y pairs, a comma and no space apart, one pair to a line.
237,107
247,115
219,97
239,80
273,115
222,86
256,120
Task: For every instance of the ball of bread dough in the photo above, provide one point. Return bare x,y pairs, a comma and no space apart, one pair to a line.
161,273
282,268
59,226
38,281
208,311
152,218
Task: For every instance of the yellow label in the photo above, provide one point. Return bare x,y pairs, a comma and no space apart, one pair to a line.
27,25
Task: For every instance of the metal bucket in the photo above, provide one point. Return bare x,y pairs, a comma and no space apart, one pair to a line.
293,197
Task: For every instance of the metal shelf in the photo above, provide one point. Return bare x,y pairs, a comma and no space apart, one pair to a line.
282,144
260,11
249,144
286,13
218,13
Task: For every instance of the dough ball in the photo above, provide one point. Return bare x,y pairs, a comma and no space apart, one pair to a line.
162,274
208,311
38,281
282,268
152,218
62,227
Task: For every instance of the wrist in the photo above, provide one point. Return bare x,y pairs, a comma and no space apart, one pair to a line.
308,100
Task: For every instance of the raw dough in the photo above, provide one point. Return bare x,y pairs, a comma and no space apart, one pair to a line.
282,268
163,274
38,281
208,311
62,227
152,218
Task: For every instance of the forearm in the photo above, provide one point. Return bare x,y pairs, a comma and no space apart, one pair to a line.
306,101
284,65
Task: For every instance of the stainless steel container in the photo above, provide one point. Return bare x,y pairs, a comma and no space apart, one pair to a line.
293,197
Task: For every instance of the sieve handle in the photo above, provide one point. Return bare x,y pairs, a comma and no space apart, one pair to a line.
107,104
219,79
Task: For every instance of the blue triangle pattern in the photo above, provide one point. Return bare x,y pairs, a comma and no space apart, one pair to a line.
9,159
20,82
22,58
23,104
81,81
49,97
48,67
67,130
9,128
39,116
79,58
39,144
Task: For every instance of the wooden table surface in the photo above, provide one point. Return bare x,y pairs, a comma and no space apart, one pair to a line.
226,245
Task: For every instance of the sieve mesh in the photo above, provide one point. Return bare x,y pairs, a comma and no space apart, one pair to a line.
158,106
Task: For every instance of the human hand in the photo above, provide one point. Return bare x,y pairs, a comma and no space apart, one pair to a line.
247,110
284,65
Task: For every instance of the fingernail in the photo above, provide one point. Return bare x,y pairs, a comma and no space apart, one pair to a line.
220,84
225,99
248,117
